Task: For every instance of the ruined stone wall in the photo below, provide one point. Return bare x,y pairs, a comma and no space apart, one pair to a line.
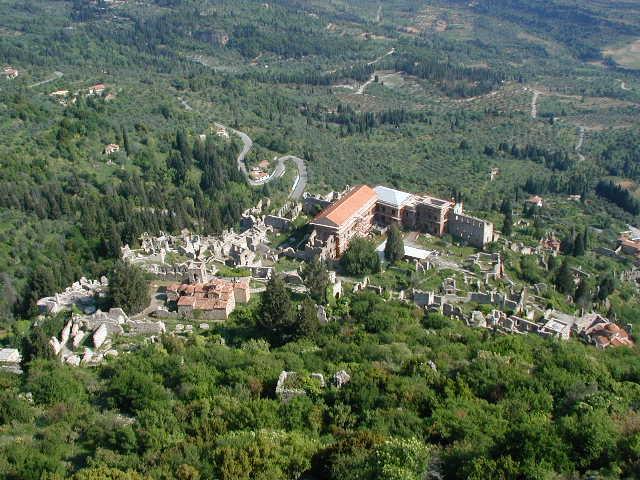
474,231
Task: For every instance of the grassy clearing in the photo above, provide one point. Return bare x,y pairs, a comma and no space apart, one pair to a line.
627,56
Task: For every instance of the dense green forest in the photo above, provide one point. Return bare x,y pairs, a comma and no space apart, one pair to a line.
426,395
488,102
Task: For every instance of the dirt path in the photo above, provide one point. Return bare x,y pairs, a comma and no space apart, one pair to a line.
534,103
377,60
363,87
184,103
580,143
55,76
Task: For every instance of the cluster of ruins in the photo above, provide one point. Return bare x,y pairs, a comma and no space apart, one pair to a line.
192,258
81,294
521,313
88,339
10,359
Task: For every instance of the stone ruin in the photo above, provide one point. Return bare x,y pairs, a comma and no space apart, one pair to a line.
490,265
290,385
284,390
97,330
321,314
235,249
341,378
82,294
449,286
10,359
313,204
311,248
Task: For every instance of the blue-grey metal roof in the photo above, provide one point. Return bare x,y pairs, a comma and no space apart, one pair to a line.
391,196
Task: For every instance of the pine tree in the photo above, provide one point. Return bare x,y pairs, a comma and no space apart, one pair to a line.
394,249
276,314
128,288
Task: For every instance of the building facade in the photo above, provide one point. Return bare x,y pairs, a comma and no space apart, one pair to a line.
214,300
363,207
351,216
471,230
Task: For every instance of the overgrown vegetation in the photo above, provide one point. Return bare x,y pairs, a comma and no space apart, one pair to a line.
447,109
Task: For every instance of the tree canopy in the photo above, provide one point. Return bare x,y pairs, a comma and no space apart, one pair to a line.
394,248
360,258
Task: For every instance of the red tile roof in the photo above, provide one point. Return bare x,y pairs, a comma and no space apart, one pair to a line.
186,301
344,209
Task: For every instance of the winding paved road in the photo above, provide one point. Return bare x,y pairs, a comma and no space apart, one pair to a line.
301,180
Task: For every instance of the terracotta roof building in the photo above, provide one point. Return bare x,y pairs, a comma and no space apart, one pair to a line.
602,333
350,216
535,200
10,72
356,212
97,89
214,300
629,244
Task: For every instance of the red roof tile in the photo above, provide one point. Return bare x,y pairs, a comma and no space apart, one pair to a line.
344,209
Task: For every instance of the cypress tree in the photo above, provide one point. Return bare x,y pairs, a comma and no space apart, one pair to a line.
505,207
128,288
564,279
585,237
276,314
394,249
316,279
578,245
582,296
308,323
125,141
606,287
507,226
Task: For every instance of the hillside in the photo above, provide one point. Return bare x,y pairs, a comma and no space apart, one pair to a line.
125,122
